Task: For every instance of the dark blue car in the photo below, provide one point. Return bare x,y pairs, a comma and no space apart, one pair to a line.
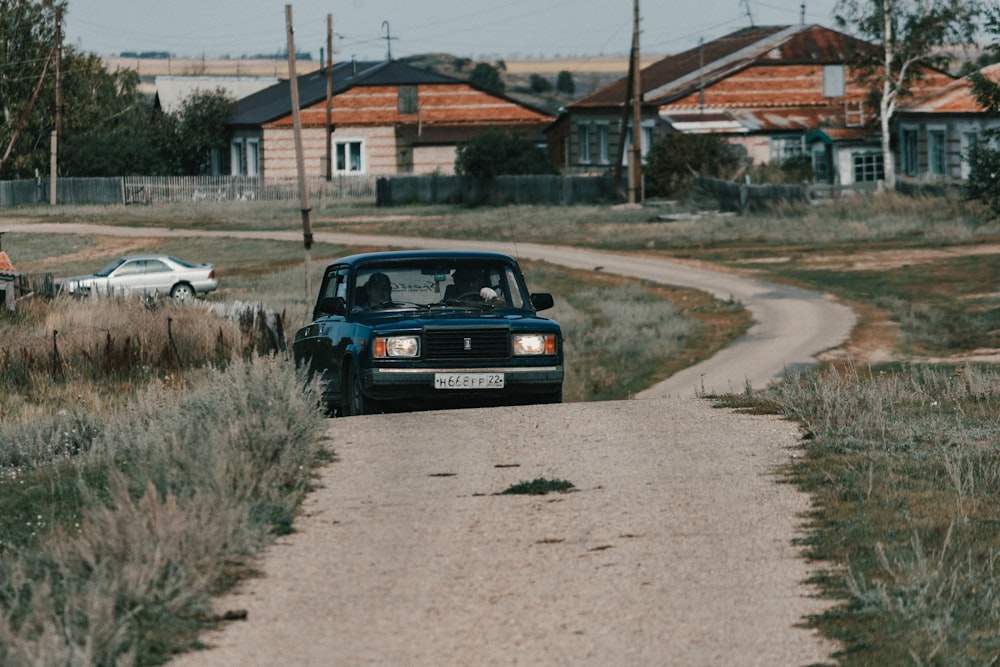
412,329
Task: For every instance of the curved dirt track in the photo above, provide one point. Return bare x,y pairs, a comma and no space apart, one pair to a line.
675,549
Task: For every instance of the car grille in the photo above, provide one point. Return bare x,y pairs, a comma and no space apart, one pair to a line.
491,343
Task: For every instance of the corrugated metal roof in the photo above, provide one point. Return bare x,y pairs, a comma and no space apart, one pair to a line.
6,267
275,102
955,98
678,75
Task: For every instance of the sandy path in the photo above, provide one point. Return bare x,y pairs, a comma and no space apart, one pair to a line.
674,550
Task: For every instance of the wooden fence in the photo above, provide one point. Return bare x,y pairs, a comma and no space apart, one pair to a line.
541,189
151,190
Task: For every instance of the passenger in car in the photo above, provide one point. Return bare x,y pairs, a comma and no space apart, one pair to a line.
377,290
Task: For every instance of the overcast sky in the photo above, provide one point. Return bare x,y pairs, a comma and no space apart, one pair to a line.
479,29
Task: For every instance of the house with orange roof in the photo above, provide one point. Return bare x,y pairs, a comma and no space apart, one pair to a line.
935,131
766,89
388,118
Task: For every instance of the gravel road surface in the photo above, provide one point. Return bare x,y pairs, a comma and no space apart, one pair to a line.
676,547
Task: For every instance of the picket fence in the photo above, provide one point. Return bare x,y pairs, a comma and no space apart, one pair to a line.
151,190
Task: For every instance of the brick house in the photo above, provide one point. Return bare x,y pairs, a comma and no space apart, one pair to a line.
935,131
765,88
388,117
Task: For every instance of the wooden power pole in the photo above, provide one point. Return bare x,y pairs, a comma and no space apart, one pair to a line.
635,158
329,97
57,132
300,165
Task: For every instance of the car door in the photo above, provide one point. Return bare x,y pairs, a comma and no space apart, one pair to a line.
321,342
156,277
125,277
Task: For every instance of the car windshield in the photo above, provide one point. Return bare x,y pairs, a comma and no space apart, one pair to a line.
427,283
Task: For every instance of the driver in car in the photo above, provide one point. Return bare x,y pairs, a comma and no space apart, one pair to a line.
470,284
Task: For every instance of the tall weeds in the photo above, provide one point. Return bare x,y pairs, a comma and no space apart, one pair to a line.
904,468
169,497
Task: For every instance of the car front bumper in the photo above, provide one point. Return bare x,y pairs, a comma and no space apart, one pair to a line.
418,383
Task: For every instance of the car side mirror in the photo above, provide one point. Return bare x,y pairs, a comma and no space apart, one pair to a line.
542,300
331,305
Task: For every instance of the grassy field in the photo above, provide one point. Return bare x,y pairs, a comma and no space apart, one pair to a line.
901,424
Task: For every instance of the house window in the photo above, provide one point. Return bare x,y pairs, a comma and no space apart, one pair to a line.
970,141
253,157
911,163
784,147
833,80
407,99
236,160
603,149
821,165
584,135
349,157
868,167
647,140
936,152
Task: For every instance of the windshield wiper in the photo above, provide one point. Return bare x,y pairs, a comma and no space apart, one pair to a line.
482,305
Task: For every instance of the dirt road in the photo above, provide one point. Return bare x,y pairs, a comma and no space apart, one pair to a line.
675,548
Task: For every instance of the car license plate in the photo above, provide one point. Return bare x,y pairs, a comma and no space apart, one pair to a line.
468,381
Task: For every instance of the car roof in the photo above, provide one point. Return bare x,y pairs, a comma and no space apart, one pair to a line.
406,255
147,256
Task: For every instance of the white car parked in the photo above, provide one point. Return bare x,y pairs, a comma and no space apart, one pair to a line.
146,274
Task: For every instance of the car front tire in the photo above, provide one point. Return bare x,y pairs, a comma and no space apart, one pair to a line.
355,401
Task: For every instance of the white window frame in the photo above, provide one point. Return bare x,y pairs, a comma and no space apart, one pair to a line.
872,169
237,153
346,144
833,81
909,146
583,134
937,150
604,143
786,146
970,138
253,157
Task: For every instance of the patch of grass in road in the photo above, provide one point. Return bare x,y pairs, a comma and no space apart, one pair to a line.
538,487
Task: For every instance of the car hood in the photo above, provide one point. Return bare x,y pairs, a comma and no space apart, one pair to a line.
454,316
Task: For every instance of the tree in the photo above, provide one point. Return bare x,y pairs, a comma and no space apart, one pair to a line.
105,120
27,37
564,83
201,127
673,158
539,84
487,77
107,127
496,152
984,161
910,34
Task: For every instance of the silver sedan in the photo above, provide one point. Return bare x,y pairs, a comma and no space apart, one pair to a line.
145,274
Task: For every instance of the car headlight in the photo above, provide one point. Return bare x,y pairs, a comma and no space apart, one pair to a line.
534,344
396,347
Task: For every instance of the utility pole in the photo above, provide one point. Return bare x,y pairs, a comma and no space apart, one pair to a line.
300,165
329,97
388,41
635,158
57,132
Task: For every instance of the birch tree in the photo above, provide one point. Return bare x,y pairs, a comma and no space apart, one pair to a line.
911,35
